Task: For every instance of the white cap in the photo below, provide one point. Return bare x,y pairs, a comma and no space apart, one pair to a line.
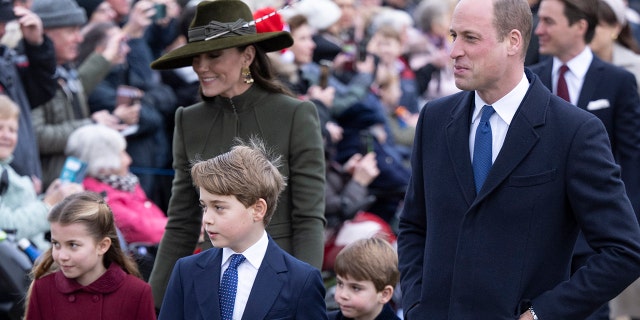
619,8
321,14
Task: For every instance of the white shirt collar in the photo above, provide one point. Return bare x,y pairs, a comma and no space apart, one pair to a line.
254,254
507,106
579,65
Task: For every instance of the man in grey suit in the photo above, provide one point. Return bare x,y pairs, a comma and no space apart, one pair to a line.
498,245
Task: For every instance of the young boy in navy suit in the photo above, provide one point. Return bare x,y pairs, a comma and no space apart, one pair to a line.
366,272
238,195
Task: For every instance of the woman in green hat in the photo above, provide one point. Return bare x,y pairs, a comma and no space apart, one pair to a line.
241,99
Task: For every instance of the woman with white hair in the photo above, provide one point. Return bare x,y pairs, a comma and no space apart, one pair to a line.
103,149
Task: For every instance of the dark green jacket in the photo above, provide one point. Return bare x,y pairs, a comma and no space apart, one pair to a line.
290,128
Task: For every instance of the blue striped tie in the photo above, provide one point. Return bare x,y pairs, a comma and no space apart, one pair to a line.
482,148
229,286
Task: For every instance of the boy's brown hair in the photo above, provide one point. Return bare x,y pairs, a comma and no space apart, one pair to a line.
247,172
371,259
8,108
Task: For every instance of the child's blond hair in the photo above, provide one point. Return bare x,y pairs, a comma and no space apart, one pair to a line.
8,108
370,259
247,172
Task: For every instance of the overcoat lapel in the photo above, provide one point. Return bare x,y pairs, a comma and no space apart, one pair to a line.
206,282
267,286
521,137
591,83
457,133
545,74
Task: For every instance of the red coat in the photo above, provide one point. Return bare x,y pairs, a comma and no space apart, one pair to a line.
137,217
115,295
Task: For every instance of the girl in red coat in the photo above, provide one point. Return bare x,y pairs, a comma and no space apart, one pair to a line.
85,274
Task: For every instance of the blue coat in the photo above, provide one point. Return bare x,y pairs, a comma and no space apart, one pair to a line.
285,288
490,256
606,82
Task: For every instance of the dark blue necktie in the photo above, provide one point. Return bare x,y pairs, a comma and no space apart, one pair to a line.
482,148
229,286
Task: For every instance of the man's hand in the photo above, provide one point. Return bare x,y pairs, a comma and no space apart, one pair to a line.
526,316
30,25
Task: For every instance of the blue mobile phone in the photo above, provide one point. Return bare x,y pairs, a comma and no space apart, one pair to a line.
73,170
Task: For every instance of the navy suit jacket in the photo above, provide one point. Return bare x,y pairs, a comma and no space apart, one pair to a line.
611,93
284,288
491,255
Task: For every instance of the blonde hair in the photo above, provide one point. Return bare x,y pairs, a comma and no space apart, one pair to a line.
8,108
370,259
247,172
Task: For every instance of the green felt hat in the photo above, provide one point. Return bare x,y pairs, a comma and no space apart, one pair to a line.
217,25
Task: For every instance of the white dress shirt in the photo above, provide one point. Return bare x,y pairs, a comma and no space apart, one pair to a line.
578,67
505,109
247,271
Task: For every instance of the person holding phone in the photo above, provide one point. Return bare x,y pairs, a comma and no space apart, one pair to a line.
55,119
141,105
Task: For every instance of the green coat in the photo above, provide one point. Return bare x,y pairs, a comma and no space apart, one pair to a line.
290,128
55,120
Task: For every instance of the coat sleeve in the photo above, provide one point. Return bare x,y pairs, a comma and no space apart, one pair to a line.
185,218
173,303
306,180
38,77
146,310
92,71
627,138
33,311
52,137
412,228
311,304
604,214
22,210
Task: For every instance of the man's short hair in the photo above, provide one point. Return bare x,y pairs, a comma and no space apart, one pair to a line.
513,14
576,10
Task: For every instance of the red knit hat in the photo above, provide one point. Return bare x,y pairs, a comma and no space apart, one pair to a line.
271,22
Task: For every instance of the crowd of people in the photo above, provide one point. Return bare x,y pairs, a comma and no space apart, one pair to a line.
309,136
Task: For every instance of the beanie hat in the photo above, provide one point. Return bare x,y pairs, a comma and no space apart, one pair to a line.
89,6
59,13
6,11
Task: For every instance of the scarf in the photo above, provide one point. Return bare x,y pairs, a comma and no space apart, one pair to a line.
126,183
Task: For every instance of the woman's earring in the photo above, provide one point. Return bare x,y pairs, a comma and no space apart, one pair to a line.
246,75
